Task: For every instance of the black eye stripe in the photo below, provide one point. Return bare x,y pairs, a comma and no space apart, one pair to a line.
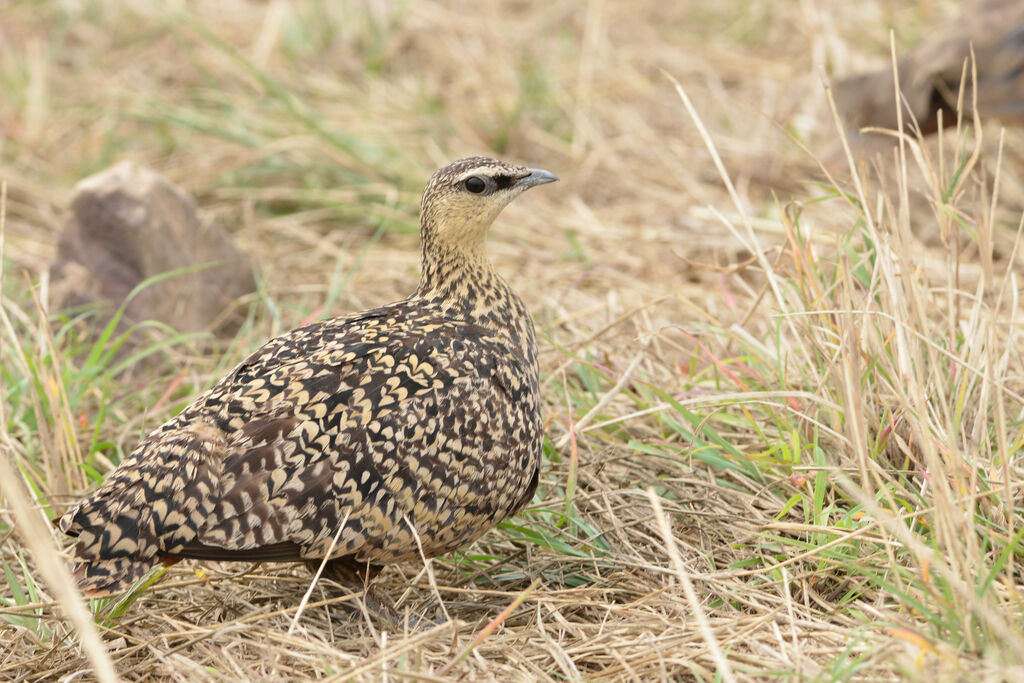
486,184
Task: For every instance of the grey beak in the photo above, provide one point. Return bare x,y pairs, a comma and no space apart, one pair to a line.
538,176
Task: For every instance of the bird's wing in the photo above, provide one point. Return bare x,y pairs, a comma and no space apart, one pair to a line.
274,458
418,444
166,489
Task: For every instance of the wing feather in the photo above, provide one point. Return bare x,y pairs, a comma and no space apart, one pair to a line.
389,433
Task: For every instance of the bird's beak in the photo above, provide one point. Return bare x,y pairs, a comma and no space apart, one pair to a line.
537,176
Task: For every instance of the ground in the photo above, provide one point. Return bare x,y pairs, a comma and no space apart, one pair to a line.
783,408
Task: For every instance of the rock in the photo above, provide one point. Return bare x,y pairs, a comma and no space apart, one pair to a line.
129,223
930,77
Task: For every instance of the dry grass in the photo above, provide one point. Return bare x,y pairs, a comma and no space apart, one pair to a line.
783,416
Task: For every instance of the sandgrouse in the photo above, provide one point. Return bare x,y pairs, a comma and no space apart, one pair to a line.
368,437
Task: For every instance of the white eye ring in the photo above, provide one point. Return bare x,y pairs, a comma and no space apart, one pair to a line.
475,184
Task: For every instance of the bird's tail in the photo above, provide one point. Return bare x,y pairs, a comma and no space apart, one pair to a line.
101,578
151,504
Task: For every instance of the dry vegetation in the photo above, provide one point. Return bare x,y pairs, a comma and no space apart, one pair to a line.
783,414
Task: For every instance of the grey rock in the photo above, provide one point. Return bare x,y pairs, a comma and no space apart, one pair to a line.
129,223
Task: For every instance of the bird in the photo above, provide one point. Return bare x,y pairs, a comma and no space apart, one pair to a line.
373,438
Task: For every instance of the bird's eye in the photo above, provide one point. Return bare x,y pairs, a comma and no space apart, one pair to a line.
475,184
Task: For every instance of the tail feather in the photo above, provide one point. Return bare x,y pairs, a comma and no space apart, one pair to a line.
109,577
150,505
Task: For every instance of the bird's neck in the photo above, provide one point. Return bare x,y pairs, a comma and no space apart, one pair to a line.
454,259
458,276
463,285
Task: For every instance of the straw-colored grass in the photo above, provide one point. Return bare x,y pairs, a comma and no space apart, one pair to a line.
783,411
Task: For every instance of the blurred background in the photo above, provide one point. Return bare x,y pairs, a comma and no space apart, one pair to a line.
306,130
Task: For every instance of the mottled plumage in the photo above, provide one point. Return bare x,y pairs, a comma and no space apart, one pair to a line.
414,425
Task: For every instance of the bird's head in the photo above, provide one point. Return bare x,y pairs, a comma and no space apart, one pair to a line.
462,199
